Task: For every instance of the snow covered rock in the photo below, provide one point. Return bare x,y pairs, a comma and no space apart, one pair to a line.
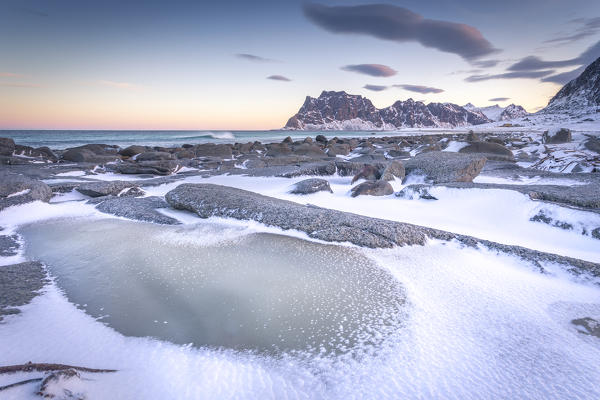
444,167
312,185
580,95
562,135
372,188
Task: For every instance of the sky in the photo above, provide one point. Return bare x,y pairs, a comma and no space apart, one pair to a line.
249,65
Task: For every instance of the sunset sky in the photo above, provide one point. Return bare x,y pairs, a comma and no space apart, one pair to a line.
249,64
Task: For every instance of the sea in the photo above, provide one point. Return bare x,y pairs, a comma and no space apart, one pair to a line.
62,139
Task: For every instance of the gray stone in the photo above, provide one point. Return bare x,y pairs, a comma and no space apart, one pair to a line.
338,149
92,153
9,245
213,150
368,172
587,326
414,192
398,154
444,167
309,150
278,150
154,156
312,185
372,188
19,284
7,146
491,150
140,209
104,188
593,144
562,136
596,233
393,170
18,189
147,167
132,150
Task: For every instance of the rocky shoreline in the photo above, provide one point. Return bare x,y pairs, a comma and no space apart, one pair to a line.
441,160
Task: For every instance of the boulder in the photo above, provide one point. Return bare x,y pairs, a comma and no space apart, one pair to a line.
7,146
444,167
64,384
372,188
213,150
139,209
19,284
287,140
398,154
491,150
312,185
147,167
368,172
593,144
309,150
321,139
415,192
393,170
278,150
133,150
342,149
154,156
91,153
18,189
105,188
42,153
563,135
587,326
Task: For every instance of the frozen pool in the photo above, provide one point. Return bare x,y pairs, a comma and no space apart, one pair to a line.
219,286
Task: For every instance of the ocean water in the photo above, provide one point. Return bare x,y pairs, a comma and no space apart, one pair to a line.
61,139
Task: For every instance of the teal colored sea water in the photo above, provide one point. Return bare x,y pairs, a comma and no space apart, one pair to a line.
60,139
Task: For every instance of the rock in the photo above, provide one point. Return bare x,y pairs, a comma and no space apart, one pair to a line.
398,154
309,150
147,167
19,189
154,156
7,146
133,150
19,284
338,149
256,163
92,153
587,326
312,185
207,200
414,192
65,384
9,245
308,139
104,188
41,153
444,167
132,192
472,137
185,153
493,139
368,172
278,150
140,209
593,144
321,139
373,188
596,233
542,217
316,168
563,135
393,170
491,150
213,150
287,140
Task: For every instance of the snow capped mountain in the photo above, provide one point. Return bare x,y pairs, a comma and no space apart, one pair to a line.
580,96
497,113
340,110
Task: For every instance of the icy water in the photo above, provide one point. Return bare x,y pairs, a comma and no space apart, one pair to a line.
215,286
59,139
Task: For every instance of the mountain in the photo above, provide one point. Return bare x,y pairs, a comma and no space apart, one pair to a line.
343,111
497,113
581,95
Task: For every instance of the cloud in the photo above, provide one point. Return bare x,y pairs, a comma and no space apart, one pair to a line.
371,69
564,77
254,58
420,89
389,22
10,75
499,99
375,88
485,63
119,85
509,75
279,78
533,63
587,27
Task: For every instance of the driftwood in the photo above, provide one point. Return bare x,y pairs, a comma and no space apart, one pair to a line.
42,367
9,369
19,383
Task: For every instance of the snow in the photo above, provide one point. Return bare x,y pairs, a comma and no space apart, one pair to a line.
464,211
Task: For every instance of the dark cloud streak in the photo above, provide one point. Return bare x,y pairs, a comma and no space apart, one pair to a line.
279,78
389,22
254,58
499,99
419,89
509,75
377,70
375,88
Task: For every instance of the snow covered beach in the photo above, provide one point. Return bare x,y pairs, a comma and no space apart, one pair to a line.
494,256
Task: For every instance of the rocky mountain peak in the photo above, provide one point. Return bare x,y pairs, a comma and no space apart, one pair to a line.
580,94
